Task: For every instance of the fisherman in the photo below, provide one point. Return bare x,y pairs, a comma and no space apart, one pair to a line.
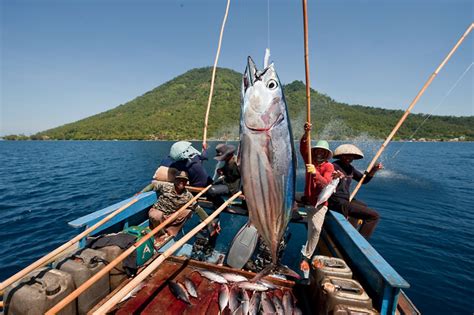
321,172
184,157
172,196
228,182
339,201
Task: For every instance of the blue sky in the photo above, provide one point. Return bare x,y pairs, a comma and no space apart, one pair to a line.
65,60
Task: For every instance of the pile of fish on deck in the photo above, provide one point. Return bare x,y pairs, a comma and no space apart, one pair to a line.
239,295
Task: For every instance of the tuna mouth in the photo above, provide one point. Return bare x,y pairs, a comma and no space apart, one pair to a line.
252,74
275,123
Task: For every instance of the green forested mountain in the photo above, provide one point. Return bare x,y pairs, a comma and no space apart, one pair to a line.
176,110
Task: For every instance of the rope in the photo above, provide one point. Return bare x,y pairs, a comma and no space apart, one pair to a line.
214,75
436,107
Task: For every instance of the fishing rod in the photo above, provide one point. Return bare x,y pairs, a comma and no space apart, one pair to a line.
117,297
407,112
308,93
436,107
206,119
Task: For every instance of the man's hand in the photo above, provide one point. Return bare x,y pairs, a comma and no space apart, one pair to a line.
214,227
307,126
377,167
310,168
337,174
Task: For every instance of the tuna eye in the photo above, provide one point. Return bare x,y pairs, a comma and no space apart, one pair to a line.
272,84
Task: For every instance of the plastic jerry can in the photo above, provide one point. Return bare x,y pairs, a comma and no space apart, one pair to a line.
349,292
81,266
117,274
352,310
324,266
146,250
38,292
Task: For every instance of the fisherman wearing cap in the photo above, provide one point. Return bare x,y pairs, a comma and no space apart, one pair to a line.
172,196
339,201
320,172
184,157
229,175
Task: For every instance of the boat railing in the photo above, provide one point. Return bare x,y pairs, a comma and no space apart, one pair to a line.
135,214
376,275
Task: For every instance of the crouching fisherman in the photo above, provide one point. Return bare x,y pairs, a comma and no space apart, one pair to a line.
172,196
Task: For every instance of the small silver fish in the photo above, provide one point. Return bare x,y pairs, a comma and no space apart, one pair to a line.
179,291
245,301
238,311
252,286
297,311
327,192
215,277
190,287
278,305
268,284
254,303
267,304
234,299
134,292
233,277
223,297
288,303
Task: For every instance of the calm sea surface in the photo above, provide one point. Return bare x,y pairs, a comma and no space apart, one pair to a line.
424,194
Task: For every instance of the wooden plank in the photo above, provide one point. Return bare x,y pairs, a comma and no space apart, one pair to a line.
145,200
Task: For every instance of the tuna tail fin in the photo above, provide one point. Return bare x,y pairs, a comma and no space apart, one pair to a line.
278,269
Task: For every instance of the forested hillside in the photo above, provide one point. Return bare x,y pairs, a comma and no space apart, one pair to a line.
176,110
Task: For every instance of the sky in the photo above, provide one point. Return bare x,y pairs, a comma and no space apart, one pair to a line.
64,60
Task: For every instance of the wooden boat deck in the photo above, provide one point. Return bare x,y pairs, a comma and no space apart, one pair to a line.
339,239
155,296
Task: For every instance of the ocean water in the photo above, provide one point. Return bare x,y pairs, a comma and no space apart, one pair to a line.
424,195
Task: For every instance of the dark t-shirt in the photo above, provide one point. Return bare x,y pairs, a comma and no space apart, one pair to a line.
198,176
231,174
350,172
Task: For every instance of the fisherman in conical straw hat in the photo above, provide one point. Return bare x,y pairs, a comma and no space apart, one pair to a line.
320,172
339,201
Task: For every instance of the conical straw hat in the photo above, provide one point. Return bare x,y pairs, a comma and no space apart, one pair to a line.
348,149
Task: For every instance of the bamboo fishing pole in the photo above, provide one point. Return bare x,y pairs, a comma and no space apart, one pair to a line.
158,261
73,295
407,112
206,119
44,260
308,93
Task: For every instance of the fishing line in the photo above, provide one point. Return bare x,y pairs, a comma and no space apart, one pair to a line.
439,104
268,24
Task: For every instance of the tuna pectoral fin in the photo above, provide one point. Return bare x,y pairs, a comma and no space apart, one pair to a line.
263,192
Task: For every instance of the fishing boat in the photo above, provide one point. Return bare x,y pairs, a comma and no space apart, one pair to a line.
380,282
